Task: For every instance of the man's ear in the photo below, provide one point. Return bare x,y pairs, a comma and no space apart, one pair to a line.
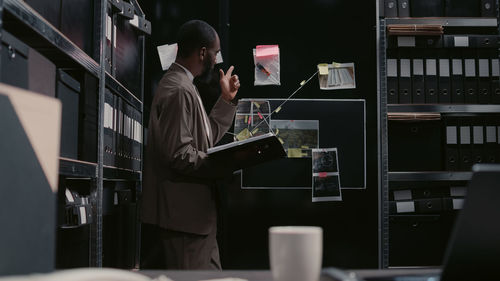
203,52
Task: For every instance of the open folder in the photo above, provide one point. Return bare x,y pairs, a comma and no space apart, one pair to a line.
249,152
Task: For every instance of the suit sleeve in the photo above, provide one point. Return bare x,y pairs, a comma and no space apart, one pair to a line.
179,149
221,118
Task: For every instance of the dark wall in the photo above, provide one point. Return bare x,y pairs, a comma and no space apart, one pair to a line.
308,32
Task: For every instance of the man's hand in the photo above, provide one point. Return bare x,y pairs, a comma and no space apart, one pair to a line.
229,84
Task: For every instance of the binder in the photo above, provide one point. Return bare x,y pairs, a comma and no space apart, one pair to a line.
48,9
452,157
404,81
392,81
484,41
68,92
461,8
41,74
108,56
478,143
249,152
391,8
465,147
489,8
444,81
119,133
490,146
429,8
116,124
136,148
495,83
470,81
484,81
456,41
401,207
14,66
108,157
89,118
128,136
452,204
429,41
77,23
431,83
426,206
457,81
403,8
418,86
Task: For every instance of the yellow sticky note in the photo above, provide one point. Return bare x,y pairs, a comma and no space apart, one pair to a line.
277,131
282,142
302,83
277,109
294,153
246,119
335,64
255,131
323,69
256,104
243,135
305,147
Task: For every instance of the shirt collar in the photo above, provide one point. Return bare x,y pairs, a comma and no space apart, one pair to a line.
189,74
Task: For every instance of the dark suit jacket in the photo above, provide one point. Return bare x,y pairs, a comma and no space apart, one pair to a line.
178,175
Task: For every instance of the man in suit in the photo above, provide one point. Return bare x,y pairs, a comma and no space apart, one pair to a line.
178,203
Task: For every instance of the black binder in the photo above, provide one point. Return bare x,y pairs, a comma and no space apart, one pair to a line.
465,147
116,124
14,66
431,82
444,81
484,41
403,8
457,77
391,8
392,81
68,91
119,133
429,8
108,48
89,117
77,23
495,83
429,41
418,86
470,82
426,206
484,81
491,147
478,154
457,41
136,149
489,8
452,157
404,81
461,8
108,156
249,152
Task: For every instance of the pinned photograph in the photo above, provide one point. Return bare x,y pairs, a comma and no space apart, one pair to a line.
325,175
252,119
336,76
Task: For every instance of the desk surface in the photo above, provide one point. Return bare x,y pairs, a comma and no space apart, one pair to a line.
265,275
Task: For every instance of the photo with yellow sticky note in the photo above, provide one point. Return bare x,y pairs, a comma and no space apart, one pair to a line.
298,137
336,76
252,119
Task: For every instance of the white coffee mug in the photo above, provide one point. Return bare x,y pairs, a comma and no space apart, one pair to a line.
296,252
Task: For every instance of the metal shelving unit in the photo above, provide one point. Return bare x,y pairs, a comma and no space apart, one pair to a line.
452,25
29,26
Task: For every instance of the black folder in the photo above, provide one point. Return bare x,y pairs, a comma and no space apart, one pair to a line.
489,8
444,81
470,81
456,41
403,8
249,152
465,147
495,83
391,8
457,77
392,81
404,81
418,86
429,41
452,157
431,82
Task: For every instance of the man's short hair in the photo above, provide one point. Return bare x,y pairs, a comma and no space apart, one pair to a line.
193,35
